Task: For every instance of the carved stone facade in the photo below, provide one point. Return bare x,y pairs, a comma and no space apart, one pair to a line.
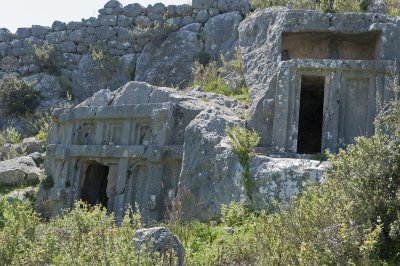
131,147
316,80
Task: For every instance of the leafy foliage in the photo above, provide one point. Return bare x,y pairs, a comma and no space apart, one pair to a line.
105,63
243,142
10,135
47,57
17,95
212,78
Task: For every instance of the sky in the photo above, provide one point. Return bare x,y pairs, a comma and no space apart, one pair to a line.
25,13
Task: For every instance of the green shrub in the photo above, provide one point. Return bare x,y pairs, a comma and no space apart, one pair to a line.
18,96
209,76
105,64
10,135
47,57
243,142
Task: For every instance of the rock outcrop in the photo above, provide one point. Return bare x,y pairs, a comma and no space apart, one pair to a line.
159,240
18,171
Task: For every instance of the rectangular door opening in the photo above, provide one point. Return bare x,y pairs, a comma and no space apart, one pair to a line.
311,114
94,190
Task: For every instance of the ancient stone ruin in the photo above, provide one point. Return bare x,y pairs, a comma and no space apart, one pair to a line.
316,82
316,79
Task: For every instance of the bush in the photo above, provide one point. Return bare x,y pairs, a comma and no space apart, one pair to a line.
18,96
212,78
243,142
47,57
105,64
10,135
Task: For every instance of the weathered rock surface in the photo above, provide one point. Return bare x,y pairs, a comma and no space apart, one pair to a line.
280,179
160,240
160,64
18,170
20,195
211,173
221,35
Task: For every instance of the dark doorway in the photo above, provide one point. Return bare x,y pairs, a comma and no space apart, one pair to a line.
94,190
311,114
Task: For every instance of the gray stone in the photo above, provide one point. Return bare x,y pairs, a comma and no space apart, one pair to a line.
5,35
16,43
38,30
159,64
159,240
142,21
124,21
267,55
18,52
4,49
106,11
18,170
195,27
108,20
124,34
32,145
71,60
58,26
378,6
76,36
133,10
156,11
202,4
202,16
38,157
170,10
183,10
242,6
50,90
112,4
68,47
32,41
174,23
92,22
213,11
20,195
209,166
56,37
105,32
280,179
73,25
188,20
221,34
23,33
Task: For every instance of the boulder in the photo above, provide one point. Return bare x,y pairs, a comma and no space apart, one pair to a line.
160,240
20,195
280,179
234,5
133,10
5,35
377,6
18,170
211,173
160,64
202,4
32,145
89,78
221,34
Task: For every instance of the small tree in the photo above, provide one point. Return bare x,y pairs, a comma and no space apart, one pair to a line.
18,96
